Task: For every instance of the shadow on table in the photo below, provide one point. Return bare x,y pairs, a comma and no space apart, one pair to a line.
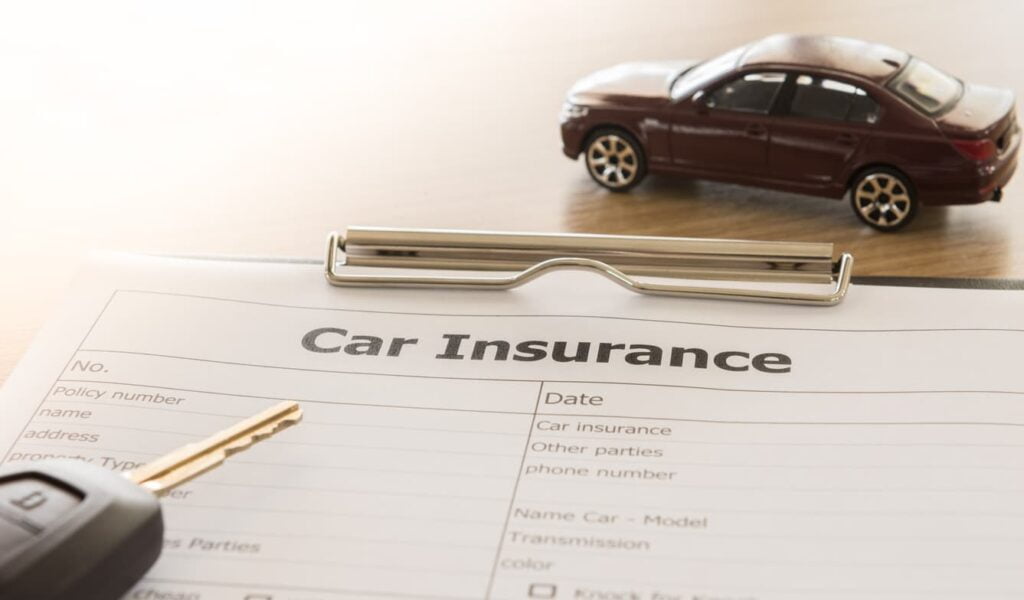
953,241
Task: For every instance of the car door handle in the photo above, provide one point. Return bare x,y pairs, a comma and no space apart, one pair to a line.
756,130
846,139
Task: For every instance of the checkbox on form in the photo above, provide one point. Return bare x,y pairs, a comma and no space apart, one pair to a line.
542,590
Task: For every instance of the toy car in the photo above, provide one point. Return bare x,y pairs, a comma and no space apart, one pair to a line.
809,114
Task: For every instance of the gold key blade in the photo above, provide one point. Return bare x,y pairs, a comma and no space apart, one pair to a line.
181,465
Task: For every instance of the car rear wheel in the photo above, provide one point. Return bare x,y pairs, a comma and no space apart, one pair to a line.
615,159
884,199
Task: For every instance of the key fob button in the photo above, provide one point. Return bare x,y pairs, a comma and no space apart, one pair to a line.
35,502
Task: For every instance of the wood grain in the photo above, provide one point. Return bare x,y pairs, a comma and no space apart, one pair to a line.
255,129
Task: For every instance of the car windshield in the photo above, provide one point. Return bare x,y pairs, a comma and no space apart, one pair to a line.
928,89
697,77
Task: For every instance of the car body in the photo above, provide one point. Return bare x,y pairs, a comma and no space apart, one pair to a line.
807,114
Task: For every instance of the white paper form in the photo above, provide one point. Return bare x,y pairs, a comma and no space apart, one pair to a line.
565,440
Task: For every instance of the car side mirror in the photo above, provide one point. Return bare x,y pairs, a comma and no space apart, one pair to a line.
702,101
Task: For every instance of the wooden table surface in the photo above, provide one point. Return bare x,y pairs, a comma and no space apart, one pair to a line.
255,129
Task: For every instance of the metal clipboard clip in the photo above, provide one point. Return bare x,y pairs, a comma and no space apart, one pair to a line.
526,256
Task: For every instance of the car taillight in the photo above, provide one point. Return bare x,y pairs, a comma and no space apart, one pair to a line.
977,150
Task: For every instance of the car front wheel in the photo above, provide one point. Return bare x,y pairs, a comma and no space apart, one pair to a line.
615,159
884,199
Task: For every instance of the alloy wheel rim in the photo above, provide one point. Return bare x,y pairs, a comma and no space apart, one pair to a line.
612,160
882,199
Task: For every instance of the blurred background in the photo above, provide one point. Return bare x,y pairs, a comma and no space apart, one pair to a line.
255,128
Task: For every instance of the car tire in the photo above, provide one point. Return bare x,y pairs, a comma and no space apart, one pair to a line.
883,198
614,159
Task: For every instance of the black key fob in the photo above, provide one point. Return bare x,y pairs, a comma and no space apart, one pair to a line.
70,530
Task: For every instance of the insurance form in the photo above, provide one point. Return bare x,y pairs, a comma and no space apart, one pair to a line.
567,440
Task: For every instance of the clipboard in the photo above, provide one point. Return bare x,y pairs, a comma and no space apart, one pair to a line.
624,260
196,352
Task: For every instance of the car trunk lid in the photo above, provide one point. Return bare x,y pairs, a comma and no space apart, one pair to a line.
981,113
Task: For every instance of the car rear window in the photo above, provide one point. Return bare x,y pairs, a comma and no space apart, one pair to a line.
822,98
753,92
926,88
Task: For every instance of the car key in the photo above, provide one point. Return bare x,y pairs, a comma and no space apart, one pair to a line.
70,530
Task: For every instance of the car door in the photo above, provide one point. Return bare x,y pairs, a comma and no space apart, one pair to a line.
727,129
820,127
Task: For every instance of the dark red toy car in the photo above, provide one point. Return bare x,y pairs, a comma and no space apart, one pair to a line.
809,114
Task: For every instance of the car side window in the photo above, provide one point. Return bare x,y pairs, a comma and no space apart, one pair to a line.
822,98
753,92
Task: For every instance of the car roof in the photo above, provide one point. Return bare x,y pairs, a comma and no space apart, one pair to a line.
874,62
